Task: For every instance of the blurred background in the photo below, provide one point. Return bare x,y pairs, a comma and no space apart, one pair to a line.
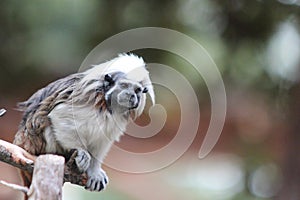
256,46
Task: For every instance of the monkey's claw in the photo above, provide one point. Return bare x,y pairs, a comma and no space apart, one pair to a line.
97,181
82,160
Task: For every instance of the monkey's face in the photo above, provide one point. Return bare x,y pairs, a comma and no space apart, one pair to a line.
124,95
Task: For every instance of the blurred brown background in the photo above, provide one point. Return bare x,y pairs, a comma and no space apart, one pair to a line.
256,46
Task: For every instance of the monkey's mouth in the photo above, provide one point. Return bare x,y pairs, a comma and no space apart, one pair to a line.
134,106
130,103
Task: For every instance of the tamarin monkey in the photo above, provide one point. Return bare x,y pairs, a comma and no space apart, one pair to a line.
86,111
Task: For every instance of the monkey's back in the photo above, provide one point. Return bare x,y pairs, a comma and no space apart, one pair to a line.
30,135
35,113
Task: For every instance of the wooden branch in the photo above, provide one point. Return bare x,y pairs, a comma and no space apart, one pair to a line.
18,157
2,112
49,171
72,174
15,186
47,178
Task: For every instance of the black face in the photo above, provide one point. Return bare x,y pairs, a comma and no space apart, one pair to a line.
123,94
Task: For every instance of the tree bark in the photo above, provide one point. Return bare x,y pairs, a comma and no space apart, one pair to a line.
47,178
16,156
49,171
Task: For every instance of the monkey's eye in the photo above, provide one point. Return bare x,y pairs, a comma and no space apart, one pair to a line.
138,90
124,85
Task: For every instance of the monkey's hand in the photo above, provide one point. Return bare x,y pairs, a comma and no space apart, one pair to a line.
83,160
97,179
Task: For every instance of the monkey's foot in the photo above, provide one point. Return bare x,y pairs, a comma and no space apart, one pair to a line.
82,160
97,181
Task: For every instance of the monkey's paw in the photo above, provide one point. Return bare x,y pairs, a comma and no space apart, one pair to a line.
82,160
97,181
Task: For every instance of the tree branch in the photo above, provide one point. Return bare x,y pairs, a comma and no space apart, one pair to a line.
18,157
72,174
2,112
47,179
49,171
15,187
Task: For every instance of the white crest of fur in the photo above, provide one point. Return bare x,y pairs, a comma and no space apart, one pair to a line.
135,69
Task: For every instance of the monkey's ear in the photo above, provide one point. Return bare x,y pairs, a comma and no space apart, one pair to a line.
109,79
145,90
108,82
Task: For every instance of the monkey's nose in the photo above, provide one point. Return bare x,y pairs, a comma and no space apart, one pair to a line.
133,101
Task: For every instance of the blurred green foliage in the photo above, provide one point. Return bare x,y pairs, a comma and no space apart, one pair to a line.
41,39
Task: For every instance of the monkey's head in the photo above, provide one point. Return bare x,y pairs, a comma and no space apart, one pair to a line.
123,94
124,82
